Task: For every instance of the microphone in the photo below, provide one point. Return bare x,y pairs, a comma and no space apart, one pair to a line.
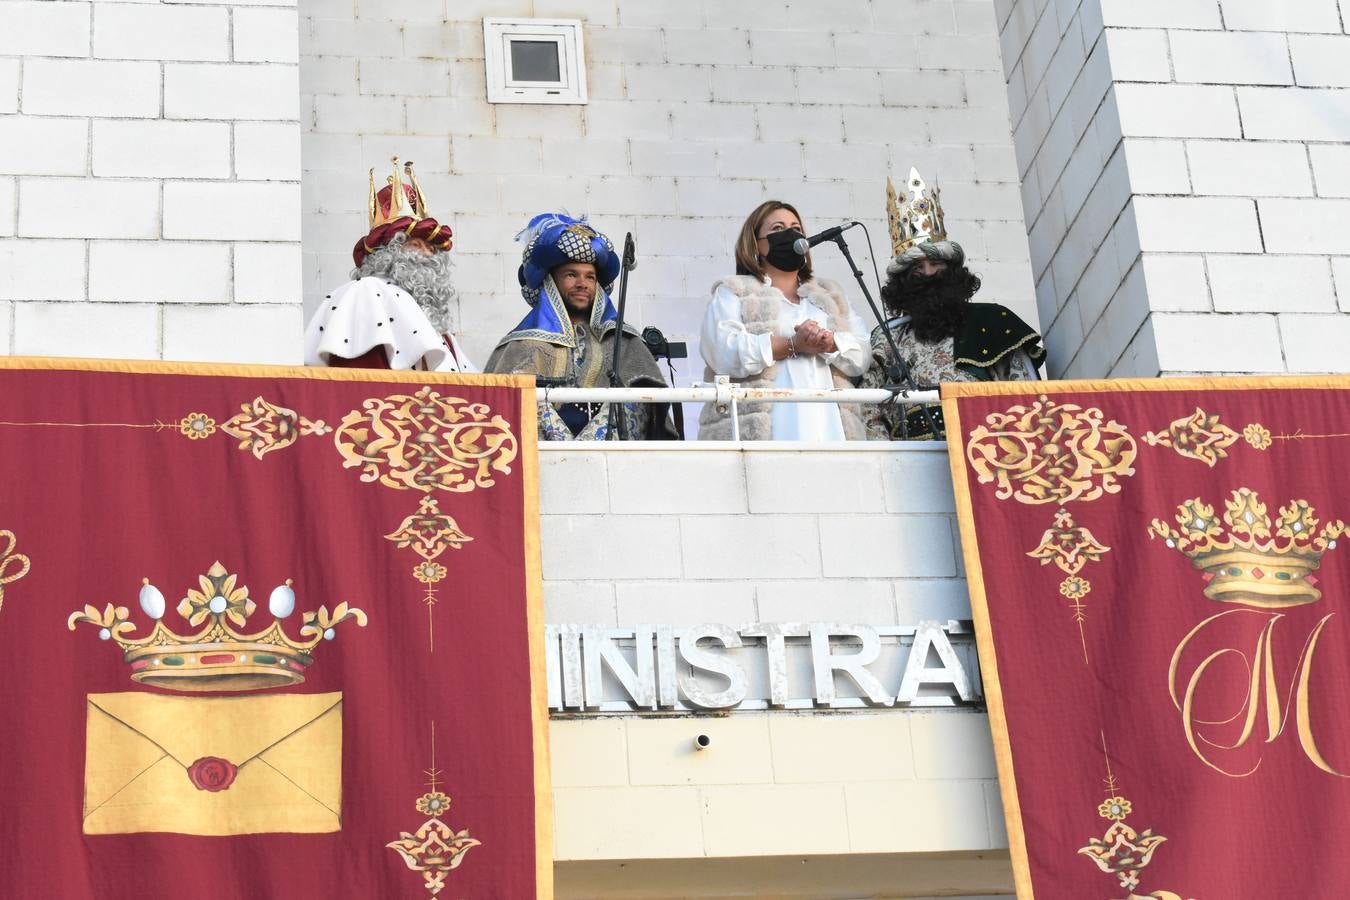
629,260
801,245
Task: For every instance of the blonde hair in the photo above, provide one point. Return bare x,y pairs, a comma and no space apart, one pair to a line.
748,261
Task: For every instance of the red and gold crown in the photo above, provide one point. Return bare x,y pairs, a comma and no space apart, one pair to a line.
399,206
222,656
1248,559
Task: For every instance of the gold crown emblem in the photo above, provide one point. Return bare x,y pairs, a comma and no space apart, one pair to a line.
921,218
221,656
1248,559
398,199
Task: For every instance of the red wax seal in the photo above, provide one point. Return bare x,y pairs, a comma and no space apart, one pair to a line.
211,773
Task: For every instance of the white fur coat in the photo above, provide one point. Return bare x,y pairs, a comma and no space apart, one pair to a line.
761,305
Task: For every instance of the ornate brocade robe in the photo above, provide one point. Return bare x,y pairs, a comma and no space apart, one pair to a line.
994,345
549,345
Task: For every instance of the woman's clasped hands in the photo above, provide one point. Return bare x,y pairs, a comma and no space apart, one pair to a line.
810,337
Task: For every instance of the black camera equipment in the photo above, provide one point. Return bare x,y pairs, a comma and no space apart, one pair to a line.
660,348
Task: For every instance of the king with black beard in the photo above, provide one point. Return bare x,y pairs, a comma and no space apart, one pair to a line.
942,335
395,311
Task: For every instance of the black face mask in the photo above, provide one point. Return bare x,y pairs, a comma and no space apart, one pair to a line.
781,255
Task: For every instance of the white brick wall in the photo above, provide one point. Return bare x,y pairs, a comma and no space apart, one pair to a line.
876,544
159,271
1233,119
155,32
149,179
42,270
38,28
698,111
872,495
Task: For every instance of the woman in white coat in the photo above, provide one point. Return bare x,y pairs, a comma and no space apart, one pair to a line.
773,325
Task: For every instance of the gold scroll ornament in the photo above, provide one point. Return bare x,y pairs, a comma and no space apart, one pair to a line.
1199,436
13,566
434,849
1123,851
426,442
1052,452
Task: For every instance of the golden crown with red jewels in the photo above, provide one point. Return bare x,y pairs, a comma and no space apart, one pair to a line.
1246,557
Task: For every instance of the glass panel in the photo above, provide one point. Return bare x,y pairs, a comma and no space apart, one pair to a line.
535,61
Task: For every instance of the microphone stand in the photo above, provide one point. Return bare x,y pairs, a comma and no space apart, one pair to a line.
897,372
616,430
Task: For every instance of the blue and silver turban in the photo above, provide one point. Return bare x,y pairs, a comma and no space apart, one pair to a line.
552,239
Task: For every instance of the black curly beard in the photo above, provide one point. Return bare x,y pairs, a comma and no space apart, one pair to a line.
936,304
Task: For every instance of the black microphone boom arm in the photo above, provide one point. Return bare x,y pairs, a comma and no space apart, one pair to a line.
897,372
801,245
616,410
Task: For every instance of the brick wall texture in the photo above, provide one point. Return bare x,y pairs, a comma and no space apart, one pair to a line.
1183,174
697,112
150,180
876,543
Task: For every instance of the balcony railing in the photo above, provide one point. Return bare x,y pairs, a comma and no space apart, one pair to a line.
727,395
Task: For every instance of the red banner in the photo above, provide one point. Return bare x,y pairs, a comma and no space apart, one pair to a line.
1164,629
270,632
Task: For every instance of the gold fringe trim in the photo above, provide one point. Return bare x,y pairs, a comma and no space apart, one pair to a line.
1033,389
1017,346
984,640
229,370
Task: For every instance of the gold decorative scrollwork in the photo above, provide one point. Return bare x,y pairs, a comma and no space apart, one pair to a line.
1122,851
429,532
263,427
435,848
1068,545
426,442
13,566
1051,452
1198,436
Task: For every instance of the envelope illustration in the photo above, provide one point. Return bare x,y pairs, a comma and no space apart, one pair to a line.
214,766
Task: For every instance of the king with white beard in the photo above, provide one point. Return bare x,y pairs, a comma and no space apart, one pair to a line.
394,313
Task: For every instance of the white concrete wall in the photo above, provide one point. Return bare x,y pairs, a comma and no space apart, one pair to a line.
712,534
1198,221
698,111
150,180
1074,186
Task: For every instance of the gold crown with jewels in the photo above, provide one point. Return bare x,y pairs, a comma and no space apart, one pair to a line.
400,198
1248,559
920,219
222,656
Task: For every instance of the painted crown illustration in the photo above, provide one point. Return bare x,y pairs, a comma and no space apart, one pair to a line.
221,656
1247,558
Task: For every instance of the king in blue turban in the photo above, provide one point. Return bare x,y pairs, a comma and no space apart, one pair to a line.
567,271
